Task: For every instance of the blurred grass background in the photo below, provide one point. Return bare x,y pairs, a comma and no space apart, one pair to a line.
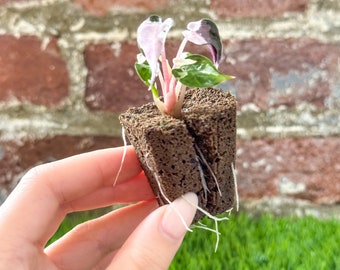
248,242
263,242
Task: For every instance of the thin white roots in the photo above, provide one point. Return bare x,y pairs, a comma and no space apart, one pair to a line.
201,226
170,202
165,197
205,187
203,181
123,158
202,158
216,219
235,187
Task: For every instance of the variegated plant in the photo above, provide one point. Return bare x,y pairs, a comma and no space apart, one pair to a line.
187,70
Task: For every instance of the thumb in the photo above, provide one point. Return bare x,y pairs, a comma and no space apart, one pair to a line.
156,240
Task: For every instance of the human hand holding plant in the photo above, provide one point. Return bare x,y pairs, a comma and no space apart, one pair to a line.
138,236
187,70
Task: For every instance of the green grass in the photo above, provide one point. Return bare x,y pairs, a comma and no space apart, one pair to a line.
253,243
264,243
74,219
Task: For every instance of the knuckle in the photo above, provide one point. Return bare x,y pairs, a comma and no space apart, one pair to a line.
36,173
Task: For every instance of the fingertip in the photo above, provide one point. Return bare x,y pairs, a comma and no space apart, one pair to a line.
179,215
156,240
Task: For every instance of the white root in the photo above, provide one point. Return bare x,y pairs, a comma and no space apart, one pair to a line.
123,157
201,156
217,236
203,181
170,202
216,219
206,213
205,228
165,197
235,187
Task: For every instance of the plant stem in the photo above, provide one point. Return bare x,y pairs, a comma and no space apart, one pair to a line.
169,94
154,92
161,80
173,84
165,70
180,94
181,47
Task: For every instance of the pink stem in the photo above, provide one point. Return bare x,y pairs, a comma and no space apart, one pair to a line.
170,100
181,47
170,97
179,52
168,94
166,74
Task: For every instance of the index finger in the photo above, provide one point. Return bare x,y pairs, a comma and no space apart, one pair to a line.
46,189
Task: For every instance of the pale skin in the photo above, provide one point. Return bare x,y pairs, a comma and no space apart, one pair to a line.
139,236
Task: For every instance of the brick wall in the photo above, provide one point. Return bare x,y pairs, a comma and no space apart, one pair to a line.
66,72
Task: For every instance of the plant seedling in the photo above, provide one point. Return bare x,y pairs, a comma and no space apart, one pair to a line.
193,150
187,70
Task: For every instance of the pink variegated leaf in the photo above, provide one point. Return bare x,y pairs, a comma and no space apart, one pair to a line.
205,32
151,35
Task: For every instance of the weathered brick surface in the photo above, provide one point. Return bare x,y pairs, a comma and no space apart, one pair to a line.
29,72
112,83
277,58
16,158
101,7
257,8
273,72
305,168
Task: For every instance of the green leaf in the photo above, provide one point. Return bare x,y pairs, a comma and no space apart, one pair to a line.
144,72
201,73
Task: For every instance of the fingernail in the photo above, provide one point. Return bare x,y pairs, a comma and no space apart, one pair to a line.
185,207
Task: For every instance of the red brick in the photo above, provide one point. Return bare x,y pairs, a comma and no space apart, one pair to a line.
101,7
256,8
15,158
31,73
112,83
266,166
273,72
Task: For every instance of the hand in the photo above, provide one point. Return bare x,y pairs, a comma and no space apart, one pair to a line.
138,236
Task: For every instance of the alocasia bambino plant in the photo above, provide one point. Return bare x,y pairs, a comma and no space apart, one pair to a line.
187,70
